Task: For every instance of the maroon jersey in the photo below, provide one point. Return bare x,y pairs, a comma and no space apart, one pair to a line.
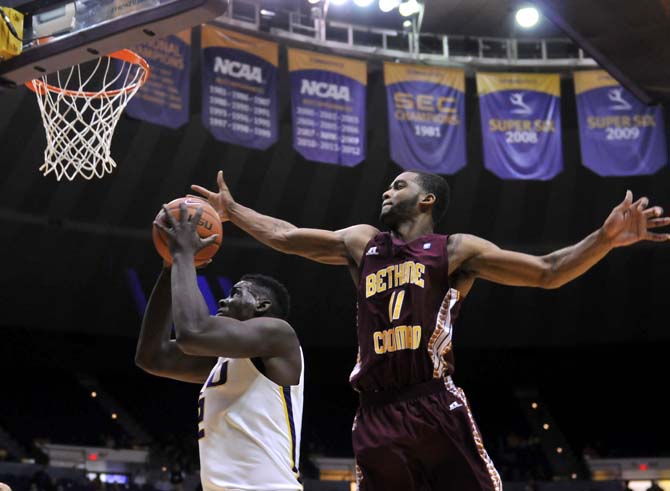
404,313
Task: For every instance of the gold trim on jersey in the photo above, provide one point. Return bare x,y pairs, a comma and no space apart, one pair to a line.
439,344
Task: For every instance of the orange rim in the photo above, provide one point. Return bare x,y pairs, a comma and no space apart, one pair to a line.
126,55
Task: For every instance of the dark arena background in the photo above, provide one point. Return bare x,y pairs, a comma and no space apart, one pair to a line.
568,386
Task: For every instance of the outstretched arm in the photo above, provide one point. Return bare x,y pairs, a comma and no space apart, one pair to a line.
156,352
341,247
628,223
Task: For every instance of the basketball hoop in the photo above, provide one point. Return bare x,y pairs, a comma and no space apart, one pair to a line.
80,107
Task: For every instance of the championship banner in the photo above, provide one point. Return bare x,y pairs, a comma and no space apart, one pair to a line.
426,113
618,135
328,106
521,124
239,92
164,98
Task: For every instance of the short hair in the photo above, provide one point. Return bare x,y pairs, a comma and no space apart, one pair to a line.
279,296
437,185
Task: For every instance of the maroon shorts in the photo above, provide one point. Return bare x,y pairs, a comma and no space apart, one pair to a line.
421,438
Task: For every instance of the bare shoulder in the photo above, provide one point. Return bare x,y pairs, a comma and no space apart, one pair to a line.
355,239
361,232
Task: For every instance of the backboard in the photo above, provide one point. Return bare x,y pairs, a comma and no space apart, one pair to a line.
61,33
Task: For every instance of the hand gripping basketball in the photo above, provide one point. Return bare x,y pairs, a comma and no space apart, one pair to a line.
209,224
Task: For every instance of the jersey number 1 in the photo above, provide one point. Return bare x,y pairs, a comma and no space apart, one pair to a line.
395,305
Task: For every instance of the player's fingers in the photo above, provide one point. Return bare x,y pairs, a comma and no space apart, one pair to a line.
658,222
657,237
220,181
196,216
162,227
641,203
168,216
209,240
199,189
183,213
628,199
654,211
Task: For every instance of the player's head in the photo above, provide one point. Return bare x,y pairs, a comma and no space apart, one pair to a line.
414,193
256,295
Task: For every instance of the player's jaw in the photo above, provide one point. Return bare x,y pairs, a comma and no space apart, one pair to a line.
399,208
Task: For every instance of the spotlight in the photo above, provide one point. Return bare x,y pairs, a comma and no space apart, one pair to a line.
527,17
407,24
363,3
267,13
410,7
388,5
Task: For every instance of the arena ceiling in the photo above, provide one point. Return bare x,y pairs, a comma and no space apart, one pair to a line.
630,39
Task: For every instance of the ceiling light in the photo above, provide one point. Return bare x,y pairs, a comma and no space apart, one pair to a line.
407,23
363,3
314,1
527,17
388,5
267,13
410,7
338,2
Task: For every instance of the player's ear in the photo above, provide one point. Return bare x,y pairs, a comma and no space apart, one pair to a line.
262,306
428,198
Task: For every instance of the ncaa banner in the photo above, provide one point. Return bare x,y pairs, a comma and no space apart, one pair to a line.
328,106
618,135
164,98
521,124
239,92
426,112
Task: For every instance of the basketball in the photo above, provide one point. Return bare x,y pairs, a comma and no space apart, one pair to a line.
209,224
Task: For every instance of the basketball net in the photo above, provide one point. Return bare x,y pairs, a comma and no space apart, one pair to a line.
80,109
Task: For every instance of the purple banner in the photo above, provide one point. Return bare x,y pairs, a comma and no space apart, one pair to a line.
239,93
164,98
618,135
328,106
426,113
521,124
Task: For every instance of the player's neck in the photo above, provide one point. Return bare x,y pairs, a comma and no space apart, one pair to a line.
411,229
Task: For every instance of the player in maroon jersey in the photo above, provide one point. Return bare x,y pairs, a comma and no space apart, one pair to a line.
414,429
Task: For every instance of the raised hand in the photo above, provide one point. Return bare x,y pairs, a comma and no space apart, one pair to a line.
182,234
222,201
631,222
